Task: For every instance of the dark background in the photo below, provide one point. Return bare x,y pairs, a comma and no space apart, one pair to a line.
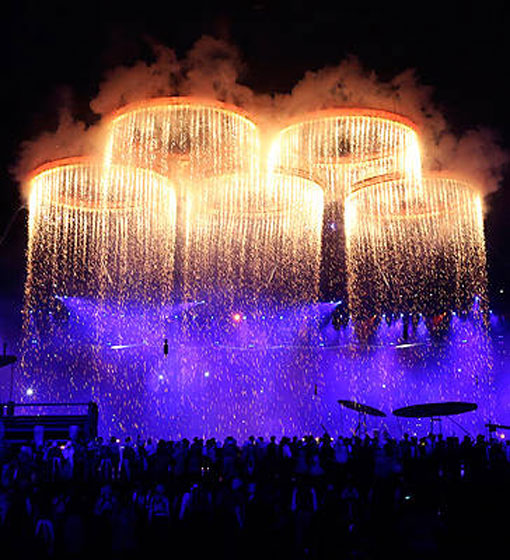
462,50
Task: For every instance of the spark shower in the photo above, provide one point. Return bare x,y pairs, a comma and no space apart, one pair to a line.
197,228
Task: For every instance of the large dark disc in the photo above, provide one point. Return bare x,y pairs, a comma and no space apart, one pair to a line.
5,360
363,408
435,409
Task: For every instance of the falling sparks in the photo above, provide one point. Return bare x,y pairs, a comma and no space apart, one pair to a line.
414,247
193,231
185,137
338,148
255,241
105,235
459,221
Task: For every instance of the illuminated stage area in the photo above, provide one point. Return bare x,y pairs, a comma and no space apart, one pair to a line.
180,281
246,374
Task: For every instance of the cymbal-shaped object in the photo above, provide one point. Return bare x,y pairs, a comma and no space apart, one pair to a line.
429,410
363,408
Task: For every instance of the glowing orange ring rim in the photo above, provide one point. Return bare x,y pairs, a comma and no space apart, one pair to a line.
315,187
176,101
394,178
61,162
340,112
339,161
420,215
88,208
88,162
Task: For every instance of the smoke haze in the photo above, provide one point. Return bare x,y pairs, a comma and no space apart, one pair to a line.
214,69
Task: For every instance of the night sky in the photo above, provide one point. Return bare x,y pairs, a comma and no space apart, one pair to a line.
48,48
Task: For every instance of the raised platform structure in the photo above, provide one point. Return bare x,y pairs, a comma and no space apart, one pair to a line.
24,427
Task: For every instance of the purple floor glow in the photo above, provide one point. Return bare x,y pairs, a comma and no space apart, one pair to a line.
245,373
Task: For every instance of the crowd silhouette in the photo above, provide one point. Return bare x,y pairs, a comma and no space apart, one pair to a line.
344,497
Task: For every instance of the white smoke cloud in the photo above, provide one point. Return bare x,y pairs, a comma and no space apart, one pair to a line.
213,68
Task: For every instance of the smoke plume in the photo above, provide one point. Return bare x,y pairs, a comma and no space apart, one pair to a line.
71,137
214,69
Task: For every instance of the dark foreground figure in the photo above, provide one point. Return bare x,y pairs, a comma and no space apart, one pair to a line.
296,498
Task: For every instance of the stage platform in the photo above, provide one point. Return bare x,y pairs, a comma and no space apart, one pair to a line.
21,422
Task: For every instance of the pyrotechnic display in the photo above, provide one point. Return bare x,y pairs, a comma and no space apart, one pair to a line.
338,148
254,240
184,137
254,280
196,226
414,247
108,235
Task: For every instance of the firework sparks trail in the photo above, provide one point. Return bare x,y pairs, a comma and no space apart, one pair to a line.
186,140
107,236
100,234
187,231
338,148
255,241
414,247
